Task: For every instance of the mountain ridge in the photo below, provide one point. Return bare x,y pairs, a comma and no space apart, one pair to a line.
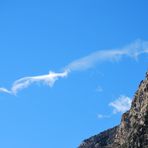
132,132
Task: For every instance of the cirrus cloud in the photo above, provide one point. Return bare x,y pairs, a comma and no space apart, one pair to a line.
22,83
133,50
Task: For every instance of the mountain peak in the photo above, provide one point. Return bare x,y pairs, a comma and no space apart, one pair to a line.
132,132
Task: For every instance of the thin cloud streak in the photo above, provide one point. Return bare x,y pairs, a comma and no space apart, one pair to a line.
101,116
25,82
133,50
4,90
99,89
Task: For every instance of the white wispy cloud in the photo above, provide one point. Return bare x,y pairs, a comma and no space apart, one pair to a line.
99,89
101,116
132,50
122,104
22,83
4,90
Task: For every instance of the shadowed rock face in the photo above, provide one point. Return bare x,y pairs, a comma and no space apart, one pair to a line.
133,129
102,140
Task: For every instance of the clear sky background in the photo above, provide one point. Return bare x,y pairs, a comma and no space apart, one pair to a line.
41,36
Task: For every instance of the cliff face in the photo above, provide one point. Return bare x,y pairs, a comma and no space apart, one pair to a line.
133,129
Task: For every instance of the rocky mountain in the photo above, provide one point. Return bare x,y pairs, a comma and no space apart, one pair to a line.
132,132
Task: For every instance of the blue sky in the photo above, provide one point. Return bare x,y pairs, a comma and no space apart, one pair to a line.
94,43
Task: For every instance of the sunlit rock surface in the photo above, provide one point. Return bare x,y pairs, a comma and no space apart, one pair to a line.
132,132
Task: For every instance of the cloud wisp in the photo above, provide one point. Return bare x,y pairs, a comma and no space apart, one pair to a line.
122,104
22,83
4,90
99,89
133,50
101,116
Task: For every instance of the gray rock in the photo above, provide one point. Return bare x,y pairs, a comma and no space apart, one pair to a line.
132,132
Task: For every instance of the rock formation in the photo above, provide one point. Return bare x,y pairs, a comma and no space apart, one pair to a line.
133,129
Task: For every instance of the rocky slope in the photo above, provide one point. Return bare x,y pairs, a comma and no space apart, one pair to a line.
133,129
